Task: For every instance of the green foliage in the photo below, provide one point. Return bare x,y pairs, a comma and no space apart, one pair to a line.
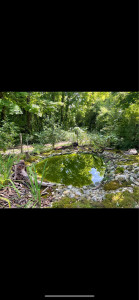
38,148
8,134
82,137
49,117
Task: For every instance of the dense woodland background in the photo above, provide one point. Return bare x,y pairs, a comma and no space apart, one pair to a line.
102,118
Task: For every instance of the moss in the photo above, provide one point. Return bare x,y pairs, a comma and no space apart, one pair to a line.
121,199
32,159
114,151
48,152
136,193
67,202
115,184
131,159
27,163
119,170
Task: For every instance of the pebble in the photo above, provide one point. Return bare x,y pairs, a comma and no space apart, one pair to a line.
121,177
72,196
66,192
78,193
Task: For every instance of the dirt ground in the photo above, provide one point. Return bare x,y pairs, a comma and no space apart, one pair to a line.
30,148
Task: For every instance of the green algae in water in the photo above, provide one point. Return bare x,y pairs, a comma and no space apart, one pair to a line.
73,169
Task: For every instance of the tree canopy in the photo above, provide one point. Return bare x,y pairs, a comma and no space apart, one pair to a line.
110,116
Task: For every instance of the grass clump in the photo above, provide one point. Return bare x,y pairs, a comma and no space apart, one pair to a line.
6,163
67,202
34,186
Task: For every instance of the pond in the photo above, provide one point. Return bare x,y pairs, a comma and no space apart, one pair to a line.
72,169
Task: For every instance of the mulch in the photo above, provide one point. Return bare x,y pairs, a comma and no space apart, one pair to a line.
23,199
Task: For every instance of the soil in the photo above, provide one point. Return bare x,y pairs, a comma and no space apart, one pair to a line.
24,198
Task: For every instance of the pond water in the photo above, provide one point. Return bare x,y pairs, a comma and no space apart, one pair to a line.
72,169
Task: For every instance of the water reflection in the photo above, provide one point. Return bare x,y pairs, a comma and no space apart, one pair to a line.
74,169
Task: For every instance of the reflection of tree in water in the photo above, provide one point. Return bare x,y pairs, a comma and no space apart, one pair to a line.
99,165
71,169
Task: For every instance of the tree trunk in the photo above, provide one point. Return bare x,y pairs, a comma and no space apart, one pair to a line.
21,143
3,112
28,115
62,108
66,112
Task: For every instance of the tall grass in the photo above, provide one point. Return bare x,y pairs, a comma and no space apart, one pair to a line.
6,163
34,186
7,200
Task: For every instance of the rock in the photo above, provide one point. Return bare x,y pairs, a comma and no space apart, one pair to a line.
135,181
66,192
85,187
72,196
135,176
121,177
74,190
78,193
87,192
69,186
131,178
129,189
131,152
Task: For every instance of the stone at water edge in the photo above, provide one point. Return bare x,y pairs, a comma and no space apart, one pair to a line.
78,193
132,152
66,192
72,196
84,187
69,186
121,177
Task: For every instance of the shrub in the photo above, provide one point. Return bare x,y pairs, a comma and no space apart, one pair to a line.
8,134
